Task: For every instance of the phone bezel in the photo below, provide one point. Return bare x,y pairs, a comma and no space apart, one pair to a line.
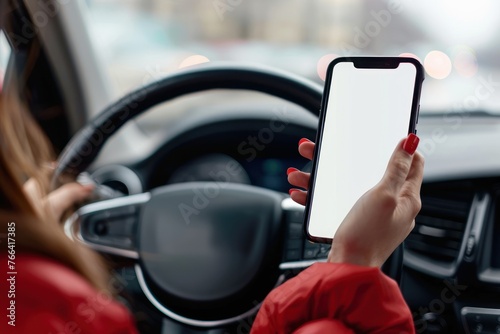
359,62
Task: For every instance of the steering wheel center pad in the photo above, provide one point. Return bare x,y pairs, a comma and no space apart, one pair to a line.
207,241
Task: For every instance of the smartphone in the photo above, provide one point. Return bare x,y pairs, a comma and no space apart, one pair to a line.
369,104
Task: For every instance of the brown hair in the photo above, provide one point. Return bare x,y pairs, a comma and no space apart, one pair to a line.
26,153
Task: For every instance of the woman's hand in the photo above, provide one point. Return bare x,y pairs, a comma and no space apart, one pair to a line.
384,216
58,201
298,178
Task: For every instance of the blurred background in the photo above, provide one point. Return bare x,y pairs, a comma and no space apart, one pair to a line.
138,41
453,39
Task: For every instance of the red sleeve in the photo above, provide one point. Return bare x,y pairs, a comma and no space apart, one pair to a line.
51,298
355,299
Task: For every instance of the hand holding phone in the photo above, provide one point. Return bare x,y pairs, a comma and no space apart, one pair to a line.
369,103
384,216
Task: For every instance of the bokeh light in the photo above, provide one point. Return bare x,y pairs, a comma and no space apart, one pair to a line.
437,64
194,60
323,63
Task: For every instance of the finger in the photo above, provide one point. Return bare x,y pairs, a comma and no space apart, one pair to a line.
51,166
306,149
400,163
299,179
411,189
66,196
416,173
298,196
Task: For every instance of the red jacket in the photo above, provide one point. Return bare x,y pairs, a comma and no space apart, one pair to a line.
338,299
50,298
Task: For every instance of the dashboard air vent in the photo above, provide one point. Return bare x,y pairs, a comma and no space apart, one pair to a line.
440,225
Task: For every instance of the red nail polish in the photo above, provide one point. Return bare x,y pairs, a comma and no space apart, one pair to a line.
303,140
411,143
291,191
291,170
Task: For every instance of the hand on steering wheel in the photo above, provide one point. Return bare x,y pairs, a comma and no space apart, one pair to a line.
58,201
383,217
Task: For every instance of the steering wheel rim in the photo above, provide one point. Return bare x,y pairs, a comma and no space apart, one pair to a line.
87,143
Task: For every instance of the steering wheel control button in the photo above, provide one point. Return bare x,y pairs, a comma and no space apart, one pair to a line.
470,247
112,227
124,228
123,211
481,320
324,250
311,250
101,228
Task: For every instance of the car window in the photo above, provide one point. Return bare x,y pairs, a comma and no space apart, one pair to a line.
139,41
5,52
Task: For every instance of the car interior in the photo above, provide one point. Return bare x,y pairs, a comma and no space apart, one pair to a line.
187,114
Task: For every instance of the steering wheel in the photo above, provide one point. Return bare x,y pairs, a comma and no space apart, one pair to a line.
206,253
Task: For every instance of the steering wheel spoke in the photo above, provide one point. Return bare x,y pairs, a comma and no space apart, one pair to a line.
298,252
109,226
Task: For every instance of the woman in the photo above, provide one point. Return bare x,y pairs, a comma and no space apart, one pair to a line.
38,249
32,214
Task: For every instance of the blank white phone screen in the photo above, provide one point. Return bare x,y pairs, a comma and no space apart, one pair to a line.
368,112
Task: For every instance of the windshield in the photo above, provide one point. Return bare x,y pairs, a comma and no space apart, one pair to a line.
139,41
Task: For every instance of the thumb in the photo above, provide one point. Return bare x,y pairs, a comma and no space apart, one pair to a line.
400,163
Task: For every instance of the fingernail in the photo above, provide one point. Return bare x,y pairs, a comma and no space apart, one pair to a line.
291,191
51,165
303,140
291,170
411,143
